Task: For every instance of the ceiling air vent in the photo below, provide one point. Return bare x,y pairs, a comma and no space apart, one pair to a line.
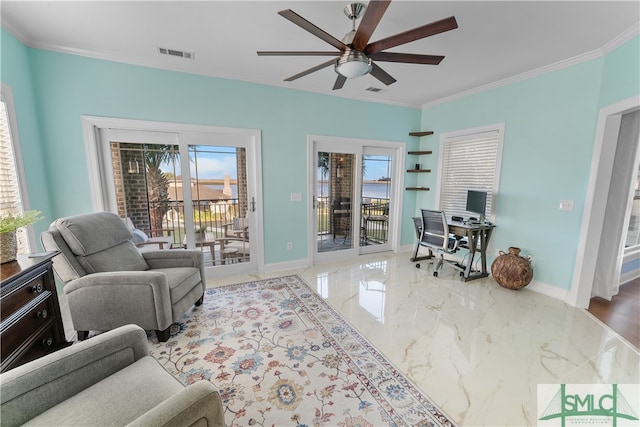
374,89
178,53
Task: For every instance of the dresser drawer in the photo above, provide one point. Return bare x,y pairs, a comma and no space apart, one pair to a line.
23,329
21,296
37,346
30,321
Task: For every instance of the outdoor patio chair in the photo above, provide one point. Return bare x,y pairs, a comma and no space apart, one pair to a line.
235,243
146,243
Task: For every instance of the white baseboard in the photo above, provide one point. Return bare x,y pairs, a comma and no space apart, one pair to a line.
535,285
407,248
284,266
548,290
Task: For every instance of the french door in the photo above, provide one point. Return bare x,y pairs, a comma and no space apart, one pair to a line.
196,188
356,197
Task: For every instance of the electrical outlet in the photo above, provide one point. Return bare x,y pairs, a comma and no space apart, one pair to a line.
289,246
566,205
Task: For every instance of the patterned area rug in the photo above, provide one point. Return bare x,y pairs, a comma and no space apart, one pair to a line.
280,355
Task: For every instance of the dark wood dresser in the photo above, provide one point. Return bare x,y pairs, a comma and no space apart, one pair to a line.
31,324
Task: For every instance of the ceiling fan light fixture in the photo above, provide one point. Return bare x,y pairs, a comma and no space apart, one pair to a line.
353,64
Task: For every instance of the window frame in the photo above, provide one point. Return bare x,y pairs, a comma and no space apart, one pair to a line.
472,133
6,96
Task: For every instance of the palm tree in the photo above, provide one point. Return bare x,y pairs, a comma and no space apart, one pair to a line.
157,181
323,163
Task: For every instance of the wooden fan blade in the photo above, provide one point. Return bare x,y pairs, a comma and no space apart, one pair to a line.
427,30
295,53
339,82
311,70
370,20
306,25
382,75
407,58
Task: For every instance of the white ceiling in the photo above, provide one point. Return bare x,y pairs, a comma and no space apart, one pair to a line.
495,40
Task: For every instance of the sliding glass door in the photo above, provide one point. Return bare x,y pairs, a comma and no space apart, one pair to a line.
192,188
354,197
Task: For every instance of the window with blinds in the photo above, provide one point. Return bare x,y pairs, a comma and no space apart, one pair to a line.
10,199
469,161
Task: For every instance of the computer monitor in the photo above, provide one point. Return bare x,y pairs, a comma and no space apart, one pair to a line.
477,203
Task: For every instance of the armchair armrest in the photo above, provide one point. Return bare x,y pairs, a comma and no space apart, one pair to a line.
176,258
197,402
64,373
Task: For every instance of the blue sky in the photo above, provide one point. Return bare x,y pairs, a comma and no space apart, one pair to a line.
214,162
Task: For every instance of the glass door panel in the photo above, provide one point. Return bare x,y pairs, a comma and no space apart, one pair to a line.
334,201
375,206
376,195
142,175
219,202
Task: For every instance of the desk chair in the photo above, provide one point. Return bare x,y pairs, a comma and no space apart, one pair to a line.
434,235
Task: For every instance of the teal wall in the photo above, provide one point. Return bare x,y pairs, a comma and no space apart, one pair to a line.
550,122
65,87
16,72
621,73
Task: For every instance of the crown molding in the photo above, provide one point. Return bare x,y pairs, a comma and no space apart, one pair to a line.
621,39
16,33
188,68
608,47
518,78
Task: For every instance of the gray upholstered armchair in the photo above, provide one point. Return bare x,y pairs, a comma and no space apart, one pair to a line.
109,283
108,380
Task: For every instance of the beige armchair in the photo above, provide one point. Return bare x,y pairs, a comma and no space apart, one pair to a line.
108,380
109,283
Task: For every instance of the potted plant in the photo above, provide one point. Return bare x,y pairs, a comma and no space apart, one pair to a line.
200,233
9,224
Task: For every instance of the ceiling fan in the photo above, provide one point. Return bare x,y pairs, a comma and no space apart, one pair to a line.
355,53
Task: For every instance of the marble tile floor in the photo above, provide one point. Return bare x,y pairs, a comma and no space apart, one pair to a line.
476,349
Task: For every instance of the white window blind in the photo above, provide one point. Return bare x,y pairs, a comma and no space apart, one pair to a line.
469,162
10,200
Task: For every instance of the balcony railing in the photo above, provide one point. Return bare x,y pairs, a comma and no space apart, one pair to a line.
212,217
215,217
374,214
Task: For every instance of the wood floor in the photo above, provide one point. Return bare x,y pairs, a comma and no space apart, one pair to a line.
622,313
